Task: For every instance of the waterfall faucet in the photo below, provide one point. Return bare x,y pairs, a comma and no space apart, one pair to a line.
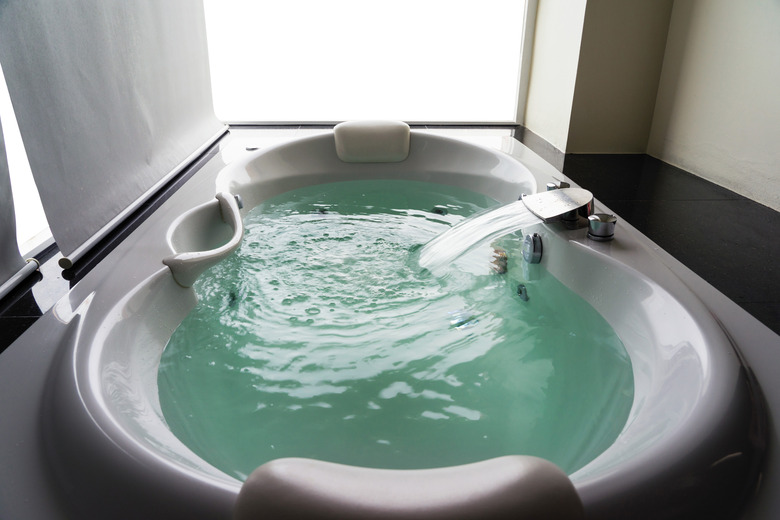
566,204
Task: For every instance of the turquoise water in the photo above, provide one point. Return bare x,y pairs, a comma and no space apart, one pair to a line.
323,338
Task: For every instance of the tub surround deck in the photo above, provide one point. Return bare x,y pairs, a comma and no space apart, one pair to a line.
720,235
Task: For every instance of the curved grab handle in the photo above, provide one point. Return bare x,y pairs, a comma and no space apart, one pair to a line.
505,487
213,230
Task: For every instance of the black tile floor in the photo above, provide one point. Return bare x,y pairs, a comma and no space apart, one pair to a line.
730,241
34,296
18,311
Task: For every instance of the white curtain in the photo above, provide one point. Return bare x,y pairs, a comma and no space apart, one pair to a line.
111,97
10,260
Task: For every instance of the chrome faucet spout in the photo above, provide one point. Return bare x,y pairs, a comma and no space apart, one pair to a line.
566,204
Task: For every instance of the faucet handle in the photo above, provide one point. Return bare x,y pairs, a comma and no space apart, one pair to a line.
601,227
561,184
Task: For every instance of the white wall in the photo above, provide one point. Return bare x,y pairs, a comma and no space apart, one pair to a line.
620,63
594,73
718,109
557,37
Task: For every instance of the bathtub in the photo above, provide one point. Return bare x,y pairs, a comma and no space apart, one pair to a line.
96,444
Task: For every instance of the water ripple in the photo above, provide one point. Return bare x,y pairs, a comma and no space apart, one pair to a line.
322,337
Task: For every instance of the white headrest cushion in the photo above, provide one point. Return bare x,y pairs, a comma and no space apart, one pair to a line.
372,141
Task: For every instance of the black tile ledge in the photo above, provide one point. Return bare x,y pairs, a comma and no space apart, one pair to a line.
725,238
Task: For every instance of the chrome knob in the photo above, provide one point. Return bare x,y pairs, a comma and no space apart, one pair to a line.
532,248
601,227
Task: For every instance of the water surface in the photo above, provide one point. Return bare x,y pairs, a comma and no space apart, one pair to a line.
322,337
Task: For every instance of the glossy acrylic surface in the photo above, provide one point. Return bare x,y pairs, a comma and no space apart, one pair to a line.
96,352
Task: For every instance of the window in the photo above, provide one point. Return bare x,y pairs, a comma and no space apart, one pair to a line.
445,61
32,229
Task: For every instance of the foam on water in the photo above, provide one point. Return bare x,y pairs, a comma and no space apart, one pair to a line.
321,337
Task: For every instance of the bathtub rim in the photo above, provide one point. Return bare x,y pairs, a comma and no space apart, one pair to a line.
724,369
314,160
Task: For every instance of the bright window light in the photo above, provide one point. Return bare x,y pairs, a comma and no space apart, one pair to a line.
32,228
332,60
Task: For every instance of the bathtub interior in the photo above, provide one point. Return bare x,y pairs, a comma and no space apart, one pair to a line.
435,159
119,343
681,359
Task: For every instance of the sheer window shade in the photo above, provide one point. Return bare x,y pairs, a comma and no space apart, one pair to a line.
110,97
10,260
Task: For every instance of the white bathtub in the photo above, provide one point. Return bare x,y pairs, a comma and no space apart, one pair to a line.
689,448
